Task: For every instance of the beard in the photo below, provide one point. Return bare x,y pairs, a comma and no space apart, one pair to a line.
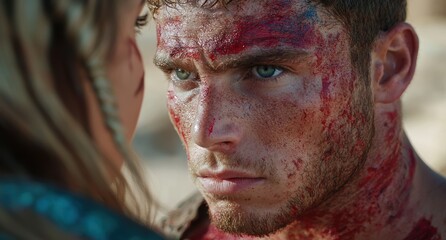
234,221
233,218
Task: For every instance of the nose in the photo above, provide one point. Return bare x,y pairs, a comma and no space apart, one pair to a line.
216,126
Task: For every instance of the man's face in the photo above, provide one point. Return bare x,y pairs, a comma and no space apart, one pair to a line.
267,103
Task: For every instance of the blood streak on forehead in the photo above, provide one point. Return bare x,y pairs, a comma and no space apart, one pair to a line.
234,32
268,32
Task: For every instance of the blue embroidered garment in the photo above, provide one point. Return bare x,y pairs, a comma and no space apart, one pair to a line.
73,214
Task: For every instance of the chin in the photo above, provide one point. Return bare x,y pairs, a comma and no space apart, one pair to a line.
235,219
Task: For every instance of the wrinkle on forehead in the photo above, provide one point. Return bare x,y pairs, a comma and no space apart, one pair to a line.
192,32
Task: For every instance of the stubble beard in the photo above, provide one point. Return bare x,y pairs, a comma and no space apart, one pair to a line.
238,222
233,219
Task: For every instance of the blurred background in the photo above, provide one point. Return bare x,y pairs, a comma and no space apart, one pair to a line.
424,108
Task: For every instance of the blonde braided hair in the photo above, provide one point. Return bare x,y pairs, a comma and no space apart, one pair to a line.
36,113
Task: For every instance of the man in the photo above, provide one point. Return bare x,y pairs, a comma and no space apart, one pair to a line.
290,114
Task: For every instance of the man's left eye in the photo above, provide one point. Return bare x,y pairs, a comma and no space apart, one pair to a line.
181,74
266,71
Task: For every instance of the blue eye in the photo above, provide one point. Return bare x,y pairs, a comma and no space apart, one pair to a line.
266,71
181,74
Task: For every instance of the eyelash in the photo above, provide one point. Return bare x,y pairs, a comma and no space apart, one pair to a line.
141,21
248,75
251,75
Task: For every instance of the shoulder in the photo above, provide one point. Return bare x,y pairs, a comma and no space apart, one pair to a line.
188,218
68,212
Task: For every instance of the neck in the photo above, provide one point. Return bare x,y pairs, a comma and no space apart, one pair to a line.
375,198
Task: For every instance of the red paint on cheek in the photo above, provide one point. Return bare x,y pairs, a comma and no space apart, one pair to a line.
176,118
359,146
328,66
310,191
177,122
297,164
211,127
325,97
294,211
423,230
170,96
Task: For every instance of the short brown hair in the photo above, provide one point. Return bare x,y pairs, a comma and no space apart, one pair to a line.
364,20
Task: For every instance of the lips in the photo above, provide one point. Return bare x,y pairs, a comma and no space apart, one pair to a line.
228,182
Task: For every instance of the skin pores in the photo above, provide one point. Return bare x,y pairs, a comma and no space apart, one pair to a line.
264,150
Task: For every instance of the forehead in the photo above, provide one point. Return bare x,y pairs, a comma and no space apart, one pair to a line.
242,25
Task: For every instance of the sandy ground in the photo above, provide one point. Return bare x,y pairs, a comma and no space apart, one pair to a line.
424,115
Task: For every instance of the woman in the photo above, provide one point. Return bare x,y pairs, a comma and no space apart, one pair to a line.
71,87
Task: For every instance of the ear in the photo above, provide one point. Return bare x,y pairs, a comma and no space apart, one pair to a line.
394,59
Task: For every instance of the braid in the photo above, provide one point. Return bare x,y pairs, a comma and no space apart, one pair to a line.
105,96
93,52
82,34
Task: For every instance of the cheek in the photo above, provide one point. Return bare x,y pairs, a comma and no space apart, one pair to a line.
174,110
341,90
126,73
286,123
310,113
177,110
291,139
128,103
100,132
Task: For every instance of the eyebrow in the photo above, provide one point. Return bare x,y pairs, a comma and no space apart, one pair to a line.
262,56
252,58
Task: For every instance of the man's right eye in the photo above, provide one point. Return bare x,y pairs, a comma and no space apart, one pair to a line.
182,74
266,71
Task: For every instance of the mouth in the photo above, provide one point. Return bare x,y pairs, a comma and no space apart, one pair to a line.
140,86
228,182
